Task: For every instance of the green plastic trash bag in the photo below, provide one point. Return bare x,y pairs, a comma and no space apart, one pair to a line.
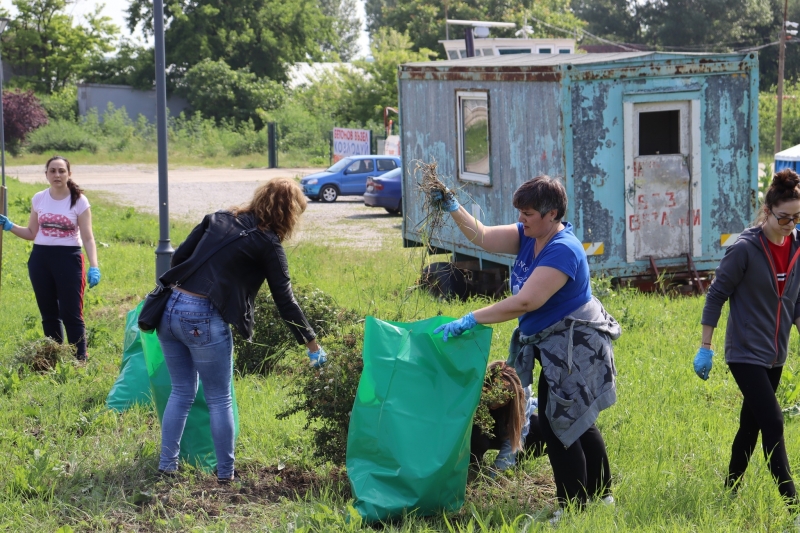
133,384
409,434
197,446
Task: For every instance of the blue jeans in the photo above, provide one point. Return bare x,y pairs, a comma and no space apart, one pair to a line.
197,341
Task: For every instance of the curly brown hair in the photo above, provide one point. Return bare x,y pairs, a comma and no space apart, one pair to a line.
277,205
516,405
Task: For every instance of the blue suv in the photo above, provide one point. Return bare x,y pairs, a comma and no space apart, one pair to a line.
347,177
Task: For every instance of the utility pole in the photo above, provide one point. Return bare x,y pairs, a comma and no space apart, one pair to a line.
781,61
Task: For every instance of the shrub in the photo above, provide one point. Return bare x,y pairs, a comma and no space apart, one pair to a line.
118,129
22,113
61,136
61,105
43,355
272,339
327,395
249,141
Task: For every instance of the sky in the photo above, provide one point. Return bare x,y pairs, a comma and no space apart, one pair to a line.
116,10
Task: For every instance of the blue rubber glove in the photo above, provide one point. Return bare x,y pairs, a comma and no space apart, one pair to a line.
7,224
702,362
318,358
445,202
93,276
457,327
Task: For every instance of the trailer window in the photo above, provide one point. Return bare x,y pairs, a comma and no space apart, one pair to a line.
660,132
473,136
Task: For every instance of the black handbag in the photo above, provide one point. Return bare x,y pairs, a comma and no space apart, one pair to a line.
156,300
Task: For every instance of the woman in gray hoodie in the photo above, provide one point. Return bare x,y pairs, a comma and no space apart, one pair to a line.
759,275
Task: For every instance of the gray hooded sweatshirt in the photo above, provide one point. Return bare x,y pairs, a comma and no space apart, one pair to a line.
760,320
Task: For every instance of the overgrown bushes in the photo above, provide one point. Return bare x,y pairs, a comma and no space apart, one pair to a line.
326,395
61,136
790,123
272,340
22,113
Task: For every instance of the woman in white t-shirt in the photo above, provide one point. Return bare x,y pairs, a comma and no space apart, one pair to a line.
60,223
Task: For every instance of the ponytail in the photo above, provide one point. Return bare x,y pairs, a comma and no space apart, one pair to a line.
74,190
506,374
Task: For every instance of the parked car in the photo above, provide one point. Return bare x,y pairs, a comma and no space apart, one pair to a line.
347,177
385,191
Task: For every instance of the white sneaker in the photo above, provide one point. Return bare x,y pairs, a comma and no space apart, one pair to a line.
556,517
608,500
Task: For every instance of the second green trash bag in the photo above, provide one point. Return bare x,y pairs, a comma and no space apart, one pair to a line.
409,432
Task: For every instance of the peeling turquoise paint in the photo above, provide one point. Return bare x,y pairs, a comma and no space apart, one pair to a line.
564,116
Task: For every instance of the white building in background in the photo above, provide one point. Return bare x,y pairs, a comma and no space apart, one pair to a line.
457,49
300,74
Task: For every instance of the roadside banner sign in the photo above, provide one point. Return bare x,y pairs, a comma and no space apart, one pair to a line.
392,146
347,142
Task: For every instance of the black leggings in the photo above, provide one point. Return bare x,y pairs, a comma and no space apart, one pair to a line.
480,443
580,471
760,412
56,274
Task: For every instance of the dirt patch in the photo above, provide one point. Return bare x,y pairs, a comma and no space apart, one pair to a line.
531,490
262,485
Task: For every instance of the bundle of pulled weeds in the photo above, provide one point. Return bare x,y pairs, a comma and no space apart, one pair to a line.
43,355
428,183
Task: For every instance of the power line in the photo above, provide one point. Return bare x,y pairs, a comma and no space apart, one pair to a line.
593,36
576,32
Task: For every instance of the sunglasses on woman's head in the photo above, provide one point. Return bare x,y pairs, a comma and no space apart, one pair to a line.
783,221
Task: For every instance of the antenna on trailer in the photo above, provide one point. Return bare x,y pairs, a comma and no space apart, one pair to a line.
526,31
479,29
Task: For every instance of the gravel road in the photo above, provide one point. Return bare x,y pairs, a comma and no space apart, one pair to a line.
193,192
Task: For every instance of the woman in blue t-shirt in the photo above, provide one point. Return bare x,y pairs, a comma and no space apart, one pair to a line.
561,325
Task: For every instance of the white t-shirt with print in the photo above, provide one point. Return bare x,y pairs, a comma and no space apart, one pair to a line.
58,222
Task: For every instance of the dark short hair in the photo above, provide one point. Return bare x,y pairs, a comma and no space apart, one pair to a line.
542,194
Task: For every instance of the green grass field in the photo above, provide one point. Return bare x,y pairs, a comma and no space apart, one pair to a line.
72,465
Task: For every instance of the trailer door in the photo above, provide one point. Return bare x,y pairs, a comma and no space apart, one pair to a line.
658,179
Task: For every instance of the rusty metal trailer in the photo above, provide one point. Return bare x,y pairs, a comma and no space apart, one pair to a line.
658,151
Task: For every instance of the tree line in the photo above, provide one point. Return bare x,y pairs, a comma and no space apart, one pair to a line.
230,58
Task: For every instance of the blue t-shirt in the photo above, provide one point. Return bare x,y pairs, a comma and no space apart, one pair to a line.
564,252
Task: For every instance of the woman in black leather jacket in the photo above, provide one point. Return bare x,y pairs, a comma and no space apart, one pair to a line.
194,331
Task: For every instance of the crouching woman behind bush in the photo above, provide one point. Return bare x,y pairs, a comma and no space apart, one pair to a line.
194,332
760,276
514,425
561,325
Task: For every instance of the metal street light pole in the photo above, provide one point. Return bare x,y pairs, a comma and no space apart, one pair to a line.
3,24
164,251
